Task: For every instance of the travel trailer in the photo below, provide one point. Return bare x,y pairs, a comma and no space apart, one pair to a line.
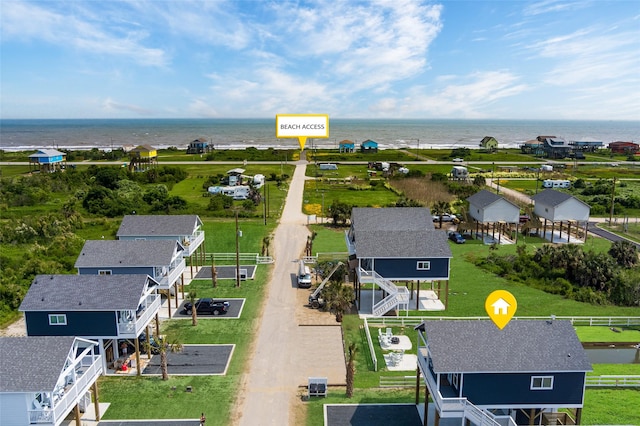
304,275
557,183
546,168
240,192
459,172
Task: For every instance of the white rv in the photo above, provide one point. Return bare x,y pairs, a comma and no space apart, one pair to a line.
556,183
304,275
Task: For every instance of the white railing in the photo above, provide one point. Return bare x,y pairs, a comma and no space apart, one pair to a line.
385,305
172,276
224,258
133,328
397,382
350,246
262,260
613,381
92,368
576,321
372,350
191,243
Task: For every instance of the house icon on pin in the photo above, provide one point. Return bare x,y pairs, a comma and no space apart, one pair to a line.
500,307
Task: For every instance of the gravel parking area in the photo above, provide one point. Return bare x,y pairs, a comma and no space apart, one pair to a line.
194,360
235,310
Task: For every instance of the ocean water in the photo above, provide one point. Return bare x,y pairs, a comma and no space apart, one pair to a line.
18,135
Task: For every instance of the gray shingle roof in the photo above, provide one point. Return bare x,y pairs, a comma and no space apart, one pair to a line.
122,253
161,225
391,218
551,197
522,346
84,293
405,243
484,198
32,364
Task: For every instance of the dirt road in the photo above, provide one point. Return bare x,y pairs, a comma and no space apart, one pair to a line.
293,342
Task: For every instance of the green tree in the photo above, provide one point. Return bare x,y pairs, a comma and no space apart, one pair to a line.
624,253
338,299
440,208
165,345
193,297
339,212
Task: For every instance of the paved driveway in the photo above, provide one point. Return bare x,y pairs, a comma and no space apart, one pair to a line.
372,415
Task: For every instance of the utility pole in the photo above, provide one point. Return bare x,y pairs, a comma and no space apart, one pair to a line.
537,179
493,169
237,252
613,197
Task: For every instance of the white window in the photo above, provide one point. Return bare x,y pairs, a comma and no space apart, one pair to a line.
57,319
541,382
424,265
104,271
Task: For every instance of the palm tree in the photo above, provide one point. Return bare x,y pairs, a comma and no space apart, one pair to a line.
214,275
440,208
351,369
164,346
624,253
338,299
194,311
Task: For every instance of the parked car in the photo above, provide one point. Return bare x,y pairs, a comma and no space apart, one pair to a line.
153,344
207,306
456,237
524,218
447,217
458,160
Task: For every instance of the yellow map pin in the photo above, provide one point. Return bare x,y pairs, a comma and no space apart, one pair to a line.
501,307
302,126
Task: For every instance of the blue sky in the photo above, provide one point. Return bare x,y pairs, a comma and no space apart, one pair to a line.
388,59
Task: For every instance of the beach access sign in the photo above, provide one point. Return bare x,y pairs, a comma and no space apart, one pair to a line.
302,126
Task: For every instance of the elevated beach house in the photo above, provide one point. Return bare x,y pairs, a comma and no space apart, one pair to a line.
369,146
347,146
103,308
161,260
185,229
523,374
44,379
143,157
489,211
621,147
396,244
47,160
199,146
561,208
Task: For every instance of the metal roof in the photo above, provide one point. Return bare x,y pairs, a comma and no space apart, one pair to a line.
158,226
126,253
472,346
84,292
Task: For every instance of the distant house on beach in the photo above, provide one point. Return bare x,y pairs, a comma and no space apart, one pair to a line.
47,160
347,146
621,147
489,143
199,146
369,146
143,157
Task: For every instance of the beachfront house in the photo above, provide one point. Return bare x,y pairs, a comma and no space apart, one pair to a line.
161,260
142,158
560,208
555,147
47,160
45,379
369,146
109,309
532,146
586,145
186,229
397,244
199,146
489,143
627,148
347,146
490,210
523,374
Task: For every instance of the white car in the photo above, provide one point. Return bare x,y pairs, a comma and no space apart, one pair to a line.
458,160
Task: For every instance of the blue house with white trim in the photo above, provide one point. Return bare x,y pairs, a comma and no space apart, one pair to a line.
47,160
45,379
347,146
369,146
161,260
104,308
529,370
396,244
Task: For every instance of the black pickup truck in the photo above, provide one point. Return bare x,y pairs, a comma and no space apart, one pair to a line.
207,306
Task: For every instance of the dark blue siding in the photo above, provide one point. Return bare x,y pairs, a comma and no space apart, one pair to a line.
407,268
513,388
78,324
117,270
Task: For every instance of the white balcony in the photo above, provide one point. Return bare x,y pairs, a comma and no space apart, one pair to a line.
133,328
192,243
175,271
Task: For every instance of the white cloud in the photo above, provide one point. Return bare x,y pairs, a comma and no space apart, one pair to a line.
26,21
109,105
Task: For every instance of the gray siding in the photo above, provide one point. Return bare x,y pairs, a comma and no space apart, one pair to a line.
13,409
